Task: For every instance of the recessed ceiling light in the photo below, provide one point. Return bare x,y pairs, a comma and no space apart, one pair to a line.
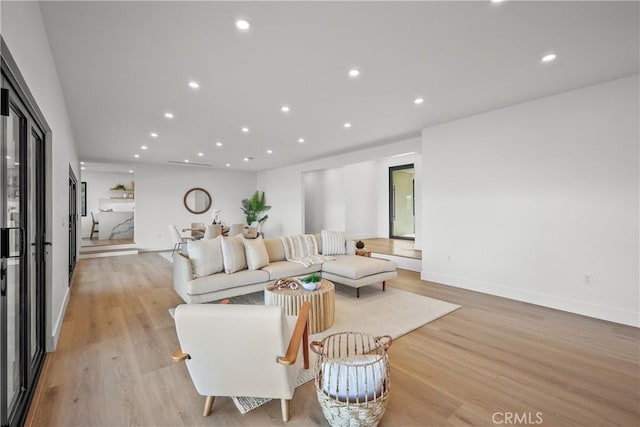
16,163
200,154
168,115
347,125
245,130
243,24
228,165
137,156
269,151
82,168
194,85
285,109
8,157
143,147
130,170
418,101
354,72
246,159
153,135
301,140
548,58
497,1
219,144
186,160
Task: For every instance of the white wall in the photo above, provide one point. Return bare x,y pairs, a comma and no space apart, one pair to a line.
313,187
98,187
344,198
524,201
361,199
334,202
24,33
160,191
285,191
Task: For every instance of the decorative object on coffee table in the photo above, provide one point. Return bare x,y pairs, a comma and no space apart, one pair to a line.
359,244
311,282
286,283
323,306
352,378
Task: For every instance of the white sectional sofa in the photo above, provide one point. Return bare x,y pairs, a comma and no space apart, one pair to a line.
350,270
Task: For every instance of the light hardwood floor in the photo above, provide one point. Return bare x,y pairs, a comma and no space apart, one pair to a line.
113,366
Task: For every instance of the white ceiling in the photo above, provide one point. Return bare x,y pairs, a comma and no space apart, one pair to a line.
122,65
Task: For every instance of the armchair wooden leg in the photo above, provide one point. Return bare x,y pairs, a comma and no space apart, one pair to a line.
208,404
357,292
286,409
384,286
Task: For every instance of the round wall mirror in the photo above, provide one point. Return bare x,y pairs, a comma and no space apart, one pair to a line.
197,200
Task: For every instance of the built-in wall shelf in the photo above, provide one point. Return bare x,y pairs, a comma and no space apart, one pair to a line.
126,194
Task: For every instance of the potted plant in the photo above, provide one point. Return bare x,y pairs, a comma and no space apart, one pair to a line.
311,282
254,207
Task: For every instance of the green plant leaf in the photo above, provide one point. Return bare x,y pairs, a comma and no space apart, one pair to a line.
254,206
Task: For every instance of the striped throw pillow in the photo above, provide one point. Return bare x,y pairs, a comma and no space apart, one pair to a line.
333,243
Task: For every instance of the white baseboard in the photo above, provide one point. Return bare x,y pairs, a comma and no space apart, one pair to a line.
612,314
52,341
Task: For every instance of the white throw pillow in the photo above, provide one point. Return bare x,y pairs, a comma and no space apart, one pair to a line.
333,243
256,253
205,257
355,378
233,254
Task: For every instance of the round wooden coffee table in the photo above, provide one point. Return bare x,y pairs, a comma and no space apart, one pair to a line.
323,304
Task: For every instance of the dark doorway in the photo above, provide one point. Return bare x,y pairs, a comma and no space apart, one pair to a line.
402,211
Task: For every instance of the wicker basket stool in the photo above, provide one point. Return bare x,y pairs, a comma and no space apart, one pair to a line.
352,378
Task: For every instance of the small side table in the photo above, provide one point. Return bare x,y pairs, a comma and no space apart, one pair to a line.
363,252
323,306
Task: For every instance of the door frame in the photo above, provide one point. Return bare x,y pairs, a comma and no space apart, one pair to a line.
73,221
392,169
14,78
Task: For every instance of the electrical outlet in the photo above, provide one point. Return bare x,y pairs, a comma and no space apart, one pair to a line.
588,279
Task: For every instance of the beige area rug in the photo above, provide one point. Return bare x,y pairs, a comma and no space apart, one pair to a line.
393,312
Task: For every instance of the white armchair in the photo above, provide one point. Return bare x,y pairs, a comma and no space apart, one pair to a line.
242,350
176,239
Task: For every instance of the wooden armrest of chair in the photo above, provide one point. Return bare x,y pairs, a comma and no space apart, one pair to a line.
179,356
300,335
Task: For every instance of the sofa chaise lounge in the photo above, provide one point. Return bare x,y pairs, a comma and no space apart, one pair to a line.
351,270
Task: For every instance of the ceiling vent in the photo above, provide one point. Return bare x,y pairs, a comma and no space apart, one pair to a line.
188,163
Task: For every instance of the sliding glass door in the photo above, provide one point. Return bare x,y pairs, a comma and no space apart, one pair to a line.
22,291
73,221
402,210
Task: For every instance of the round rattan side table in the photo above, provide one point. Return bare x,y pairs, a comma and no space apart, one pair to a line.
323,305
